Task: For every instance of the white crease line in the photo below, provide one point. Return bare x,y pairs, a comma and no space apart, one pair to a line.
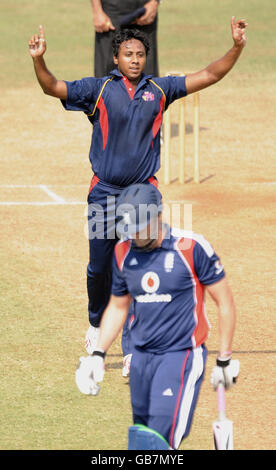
71,203
179,201
41,203
39,185
87,185
50,193
19,185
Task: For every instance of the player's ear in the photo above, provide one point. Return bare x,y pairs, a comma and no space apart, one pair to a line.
115,60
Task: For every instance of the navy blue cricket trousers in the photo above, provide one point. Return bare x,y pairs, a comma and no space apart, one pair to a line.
101,200
164,390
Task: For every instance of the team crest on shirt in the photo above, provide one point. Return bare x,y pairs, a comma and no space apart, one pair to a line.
169,262
150,283
148,96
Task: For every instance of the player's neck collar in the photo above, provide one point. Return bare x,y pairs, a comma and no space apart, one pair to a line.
167,237
116,73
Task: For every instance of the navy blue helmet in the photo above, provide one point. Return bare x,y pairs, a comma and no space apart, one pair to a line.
136,206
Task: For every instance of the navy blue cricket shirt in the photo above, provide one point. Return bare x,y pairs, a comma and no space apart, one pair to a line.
125,145
167,286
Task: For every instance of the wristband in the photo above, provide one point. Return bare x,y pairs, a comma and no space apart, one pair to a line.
101,353
223,362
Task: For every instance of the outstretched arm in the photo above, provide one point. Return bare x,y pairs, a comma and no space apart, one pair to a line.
218,69
49,84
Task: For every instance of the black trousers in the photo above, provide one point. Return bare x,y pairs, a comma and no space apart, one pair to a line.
103,55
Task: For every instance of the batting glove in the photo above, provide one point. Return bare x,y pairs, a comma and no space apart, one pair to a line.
90,371
225,372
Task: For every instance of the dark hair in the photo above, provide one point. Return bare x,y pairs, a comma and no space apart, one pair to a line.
125,34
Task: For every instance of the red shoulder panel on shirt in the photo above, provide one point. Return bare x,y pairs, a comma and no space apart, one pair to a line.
103,120
186,248
121,251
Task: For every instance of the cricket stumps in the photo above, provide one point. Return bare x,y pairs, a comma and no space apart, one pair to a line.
182,134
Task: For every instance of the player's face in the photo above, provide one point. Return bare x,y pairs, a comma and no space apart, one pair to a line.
149,234
131,59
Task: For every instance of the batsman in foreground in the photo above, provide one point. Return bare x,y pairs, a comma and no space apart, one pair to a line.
125,110
166,273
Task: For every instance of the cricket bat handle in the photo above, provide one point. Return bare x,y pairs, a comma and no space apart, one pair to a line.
221,402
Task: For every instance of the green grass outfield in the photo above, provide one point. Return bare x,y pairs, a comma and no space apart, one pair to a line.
42,285
189,35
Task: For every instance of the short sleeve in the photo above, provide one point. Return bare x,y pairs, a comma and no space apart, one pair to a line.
119,287
208,267
82,94
173,87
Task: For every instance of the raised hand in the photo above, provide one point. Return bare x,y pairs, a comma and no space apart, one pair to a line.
37,44
238,31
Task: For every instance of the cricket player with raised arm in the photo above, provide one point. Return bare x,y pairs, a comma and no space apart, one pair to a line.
166,272
125,109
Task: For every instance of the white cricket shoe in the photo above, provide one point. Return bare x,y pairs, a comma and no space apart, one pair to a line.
126,365
91,339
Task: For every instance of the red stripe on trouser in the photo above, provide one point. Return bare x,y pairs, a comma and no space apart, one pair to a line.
152,180
93,183
178,399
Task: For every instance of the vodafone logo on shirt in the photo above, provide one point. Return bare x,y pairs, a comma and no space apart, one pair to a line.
150,283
